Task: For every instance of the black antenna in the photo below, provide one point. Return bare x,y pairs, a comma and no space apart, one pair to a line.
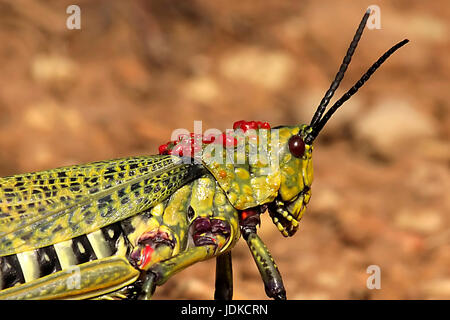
316,129
337,80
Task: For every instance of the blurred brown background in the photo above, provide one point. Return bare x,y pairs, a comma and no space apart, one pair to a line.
139,69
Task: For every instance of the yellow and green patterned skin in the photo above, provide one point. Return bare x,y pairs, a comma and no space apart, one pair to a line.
276,175
201,199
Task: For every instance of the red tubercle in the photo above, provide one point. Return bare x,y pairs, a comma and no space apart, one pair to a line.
265,125
227,141
209,139
247,213
178,149
162,149
186,145
244,215
166,148
246,125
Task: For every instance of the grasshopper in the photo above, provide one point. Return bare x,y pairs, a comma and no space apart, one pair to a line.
125,226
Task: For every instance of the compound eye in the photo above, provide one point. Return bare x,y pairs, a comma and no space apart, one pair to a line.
296,146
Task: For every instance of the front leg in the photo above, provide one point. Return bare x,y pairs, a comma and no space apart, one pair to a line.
270,275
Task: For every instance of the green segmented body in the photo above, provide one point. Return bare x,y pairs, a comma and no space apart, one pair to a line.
80,214
42,208
119,240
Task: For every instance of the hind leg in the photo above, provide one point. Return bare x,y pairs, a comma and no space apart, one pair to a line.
84,281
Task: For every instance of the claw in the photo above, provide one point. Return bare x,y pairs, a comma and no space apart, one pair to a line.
279,296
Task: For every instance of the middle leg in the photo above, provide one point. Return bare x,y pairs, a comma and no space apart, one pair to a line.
224,277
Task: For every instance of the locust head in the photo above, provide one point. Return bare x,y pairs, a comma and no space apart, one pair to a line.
296,145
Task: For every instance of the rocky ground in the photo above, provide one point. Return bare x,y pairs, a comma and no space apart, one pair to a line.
137,70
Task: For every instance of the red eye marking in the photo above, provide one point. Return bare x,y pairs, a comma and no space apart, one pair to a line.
296,146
